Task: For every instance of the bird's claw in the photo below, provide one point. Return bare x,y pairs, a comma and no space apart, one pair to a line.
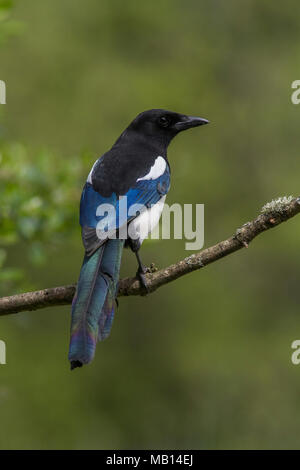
142,278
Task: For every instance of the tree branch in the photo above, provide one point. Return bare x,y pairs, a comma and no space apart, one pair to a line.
273,214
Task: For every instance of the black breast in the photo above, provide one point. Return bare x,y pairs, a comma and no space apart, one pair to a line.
117,170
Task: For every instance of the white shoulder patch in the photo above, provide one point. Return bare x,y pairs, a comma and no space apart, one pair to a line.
156,170
89,178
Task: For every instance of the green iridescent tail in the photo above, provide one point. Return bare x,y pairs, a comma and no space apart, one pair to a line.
94,302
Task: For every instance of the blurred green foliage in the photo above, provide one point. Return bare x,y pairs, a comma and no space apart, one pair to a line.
205,361
39,197
8,27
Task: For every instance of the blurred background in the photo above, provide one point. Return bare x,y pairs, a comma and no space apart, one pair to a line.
204,362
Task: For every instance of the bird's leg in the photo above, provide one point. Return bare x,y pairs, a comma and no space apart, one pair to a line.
142,270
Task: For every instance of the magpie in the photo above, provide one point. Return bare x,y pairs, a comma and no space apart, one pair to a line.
136,167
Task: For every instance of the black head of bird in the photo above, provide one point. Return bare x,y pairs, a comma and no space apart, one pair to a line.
161,125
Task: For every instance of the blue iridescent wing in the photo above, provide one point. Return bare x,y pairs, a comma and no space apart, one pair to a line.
114,212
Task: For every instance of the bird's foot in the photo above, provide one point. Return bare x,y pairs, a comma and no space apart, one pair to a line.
142,278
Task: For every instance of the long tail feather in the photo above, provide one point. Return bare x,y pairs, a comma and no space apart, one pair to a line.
93,304
112,262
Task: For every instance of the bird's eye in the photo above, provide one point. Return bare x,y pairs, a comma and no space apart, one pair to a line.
163,121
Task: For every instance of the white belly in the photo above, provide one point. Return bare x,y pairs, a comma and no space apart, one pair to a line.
143,224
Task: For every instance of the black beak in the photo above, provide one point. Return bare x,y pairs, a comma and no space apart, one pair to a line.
190,121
